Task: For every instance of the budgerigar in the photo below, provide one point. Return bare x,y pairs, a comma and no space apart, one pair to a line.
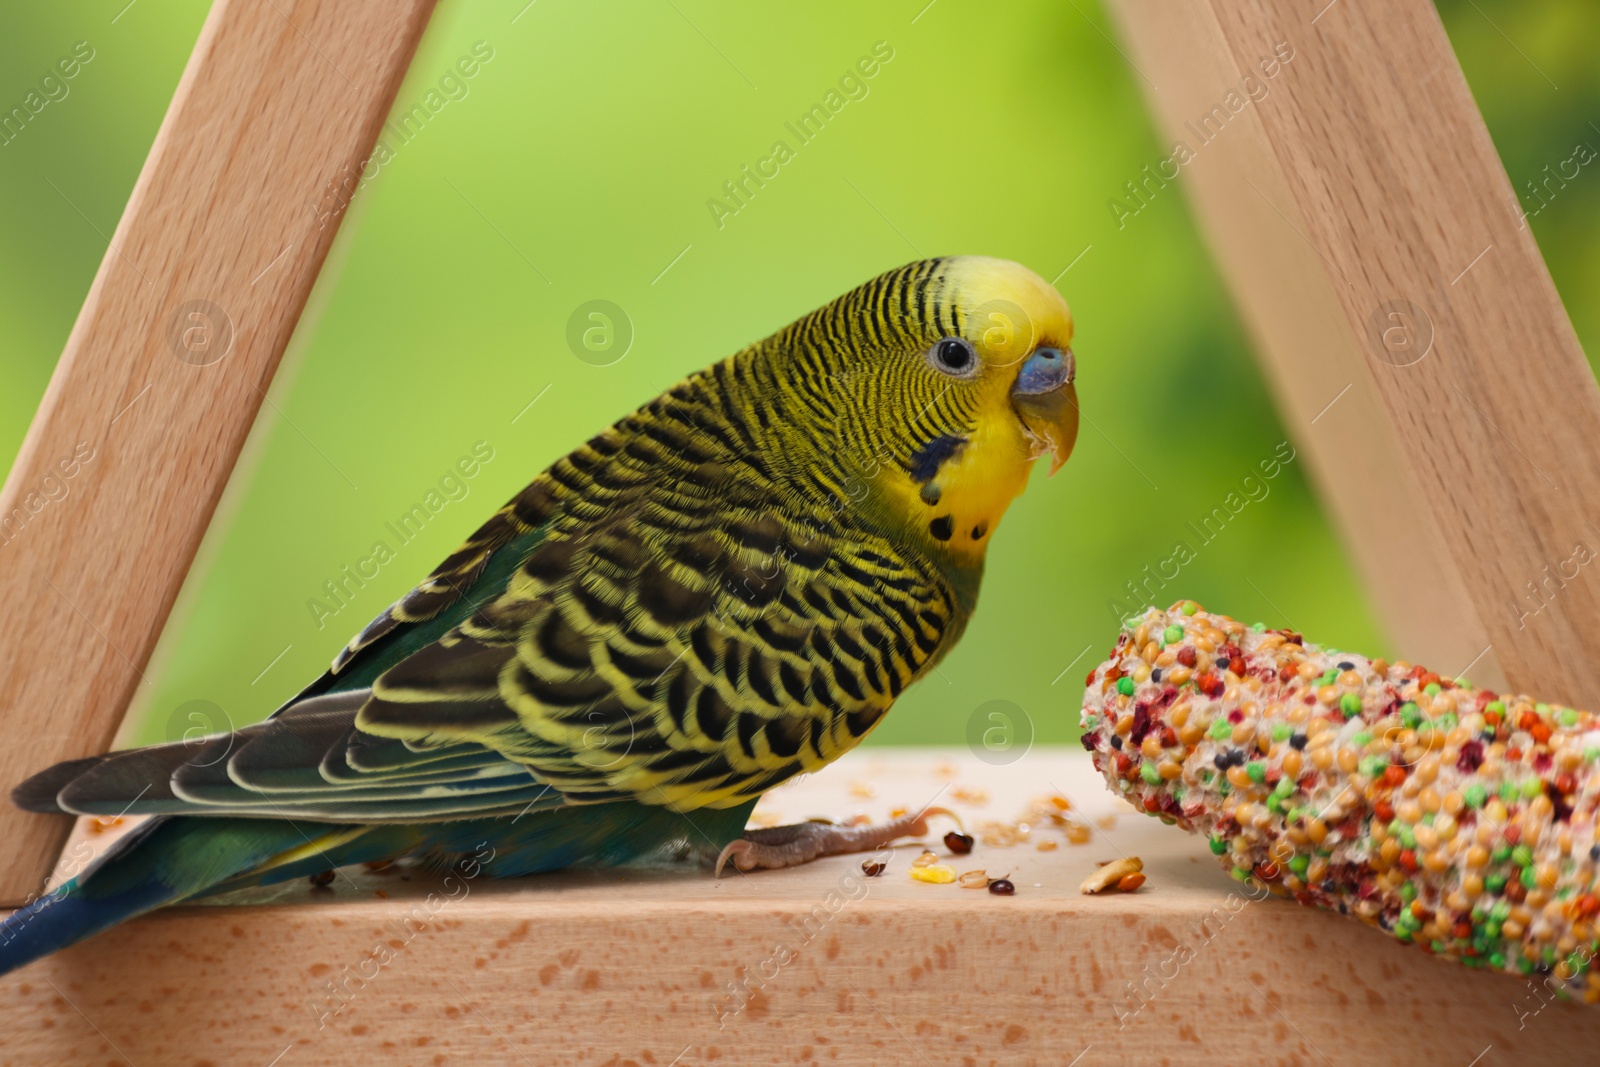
728,587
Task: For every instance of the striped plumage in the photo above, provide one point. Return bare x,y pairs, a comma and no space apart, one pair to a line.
726,588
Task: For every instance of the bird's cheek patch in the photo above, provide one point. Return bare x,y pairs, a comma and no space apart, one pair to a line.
927,460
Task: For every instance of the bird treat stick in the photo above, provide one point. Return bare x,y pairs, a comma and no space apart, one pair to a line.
1452,818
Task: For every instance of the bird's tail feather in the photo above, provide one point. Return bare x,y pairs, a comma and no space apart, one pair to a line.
172,860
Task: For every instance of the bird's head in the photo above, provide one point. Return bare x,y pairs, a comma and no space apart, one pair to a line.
931,389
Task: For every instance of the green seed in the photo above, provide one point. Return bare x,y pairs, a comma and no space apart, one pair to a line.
1282,731
1218,846
1432,689
1172,635
1410,715
1475,795
1530,878
1148,772
1567,717
1361,740
1125,686
1350,704
1221,729
1190,607
1256,770
1532,787
1522,856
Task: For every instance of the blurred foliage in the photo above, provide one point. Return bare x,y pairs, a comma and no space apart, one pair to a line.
577,163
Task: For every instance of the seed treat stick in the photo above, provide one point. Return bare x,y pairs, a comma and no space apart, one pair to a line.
1452,818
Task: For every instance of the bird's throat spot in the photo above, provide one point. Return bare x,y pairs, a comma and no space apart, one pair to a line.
942,527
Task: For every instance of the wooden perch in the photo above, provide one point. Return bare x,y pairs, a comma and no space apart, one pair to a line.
168,362
812,965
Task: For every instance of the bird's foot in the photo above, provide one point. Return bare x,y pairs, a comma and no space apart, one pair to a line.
802,842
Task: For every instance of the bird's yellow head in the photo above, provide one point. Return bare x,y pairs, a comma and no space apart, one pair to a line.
924,395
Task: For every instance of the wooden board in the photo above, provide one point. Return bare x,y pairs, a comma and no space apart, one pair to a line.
167,365
824,966
1374,242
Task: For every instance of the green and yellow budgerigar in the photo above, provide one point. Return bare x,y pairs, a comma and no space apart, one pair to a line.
726,588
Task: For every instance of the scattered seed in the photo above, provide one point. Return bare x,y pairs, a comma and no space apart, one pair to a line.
1129,882
1047,846
864,790
970,794
872,868
937,873
1112,874
1003,835
974,880
927,859
321,878
958,842
1002,887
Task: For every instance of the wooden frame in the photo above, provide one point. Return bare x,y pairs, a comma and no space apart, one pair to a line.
1359,196
169,360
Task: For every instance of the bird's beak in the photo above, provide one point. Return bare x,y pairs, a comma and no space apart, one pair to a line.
1046,402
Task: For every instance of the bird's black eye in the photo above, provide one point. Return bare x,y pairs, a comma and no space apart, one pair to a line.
954,355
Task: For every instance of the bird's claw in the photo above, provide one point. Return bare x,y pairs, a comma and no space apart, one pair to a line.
797,843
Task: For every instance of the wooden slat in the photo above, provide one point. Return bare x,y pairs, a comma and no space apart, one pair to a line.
1312,358
635,967
1365,176
235,208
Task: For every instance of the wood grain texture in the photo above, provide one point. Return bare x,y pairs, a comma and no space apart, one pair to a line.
229,221
635,967
1308,348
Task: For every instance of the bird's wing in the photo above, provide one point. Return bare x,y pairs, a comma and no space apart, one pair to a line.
612,633
691,650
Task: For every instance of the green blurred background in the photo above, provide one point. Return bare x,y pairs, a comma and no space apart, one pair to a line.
576,164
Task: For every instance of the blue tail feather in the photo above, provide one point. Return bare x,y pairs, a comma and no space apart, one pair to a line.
187,857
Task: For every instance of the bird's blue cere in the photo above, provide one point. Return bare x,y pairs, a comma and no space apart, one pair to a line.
1044,371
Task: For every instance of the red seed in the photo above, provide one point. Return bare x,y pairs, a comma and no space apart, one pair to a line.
1186,655
958,842
872,868
322,878
1002,887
